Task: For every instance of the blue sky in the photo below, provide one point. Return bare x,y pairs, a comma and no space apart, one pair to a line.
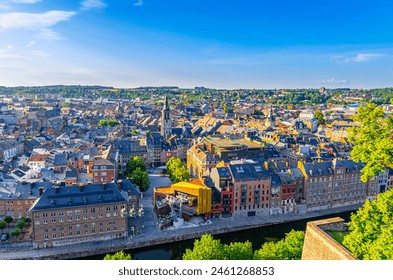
188,43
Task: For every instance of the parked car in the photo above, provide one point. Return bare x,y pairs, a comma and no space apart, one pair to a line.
4,237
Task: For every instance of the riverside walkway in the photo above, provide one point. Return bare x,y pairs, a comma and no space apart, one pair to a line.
151,235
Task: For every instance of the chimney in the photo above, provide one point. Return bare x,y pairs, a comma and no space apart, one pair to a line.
57,189
80,188
40,191
104,186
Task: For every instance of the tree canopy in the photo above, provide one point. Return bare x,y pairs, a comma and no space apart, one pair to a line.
133,164
118,256
177,170
141,179
372,141
108,123
3,225
319,116
208,248
371,229
289,248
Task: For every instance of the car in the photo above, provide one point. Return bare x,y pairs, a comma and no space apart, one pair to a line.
4,237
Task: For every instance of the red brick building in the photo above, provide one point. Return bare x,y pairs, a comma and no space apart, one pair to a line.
252,184
103,171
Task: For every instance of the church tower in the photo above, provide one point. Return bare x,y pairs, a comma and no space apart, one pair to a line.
270,120
165,119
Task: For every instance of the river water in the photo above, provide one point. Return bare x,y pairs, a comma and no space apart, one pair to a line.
257,236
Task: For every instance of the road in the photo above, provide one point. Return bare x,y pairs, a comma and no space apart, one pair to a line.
148,223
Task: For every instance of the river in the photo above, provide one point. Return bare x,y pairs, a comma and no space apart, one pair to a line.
258,236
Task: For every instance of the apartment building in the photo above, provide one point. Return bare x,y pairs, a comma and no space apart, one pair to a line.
75,214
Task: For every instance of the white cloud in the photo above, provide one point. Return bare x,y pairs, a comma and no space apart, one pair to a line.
42,53
30,44
40,22
363,57
30,20
138,3
358,58
333,81
92,4
8,53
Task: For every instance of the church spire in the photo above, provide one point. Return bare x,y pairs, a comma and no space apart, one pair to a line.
166,125
166,104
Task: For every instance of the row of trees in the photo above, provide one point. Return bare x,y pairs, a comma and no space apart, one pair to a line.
136,171
18,226
177,170
208,248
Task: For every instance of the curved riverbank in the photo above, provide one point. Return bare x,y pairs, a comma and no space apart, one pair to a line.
218,226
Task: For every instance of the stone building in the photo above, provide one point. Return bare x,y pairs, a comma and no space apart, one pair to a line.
75,214
334,184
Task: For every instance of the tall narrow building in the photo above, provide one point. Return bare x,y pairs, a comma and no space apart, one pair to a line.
165,119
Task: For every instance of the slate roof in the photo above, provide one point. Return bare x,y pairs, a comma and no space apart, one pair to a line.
248,172
75,196
318,169
60,159
224,172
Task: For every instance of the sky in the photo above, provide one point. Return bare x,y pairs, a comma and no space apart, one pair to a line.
223,44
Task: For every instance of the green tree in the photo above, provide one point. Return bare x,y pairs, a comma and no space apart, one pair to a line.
133,164
177,170
28,221
66,104
3,225
102,123
141,179
21,223
118,256
238,251
319,116
134,132
16,232
371,229
372,140
8,220
289,248
112,123
206,248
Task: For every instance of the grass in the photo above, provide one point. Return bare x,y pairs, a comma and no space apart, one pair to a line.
338,235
